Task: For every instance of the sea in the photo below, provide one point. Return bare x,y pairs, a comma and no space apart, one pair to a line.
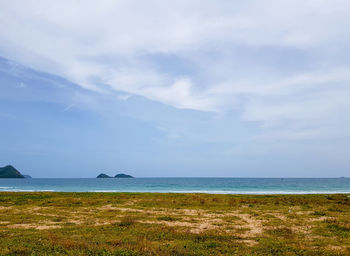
183,185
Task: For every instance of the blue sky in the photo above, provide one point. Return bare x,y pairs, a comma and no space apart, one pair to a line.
192,88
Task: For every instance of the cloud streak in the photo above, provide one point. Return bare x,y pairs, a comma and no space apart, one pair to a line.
273,61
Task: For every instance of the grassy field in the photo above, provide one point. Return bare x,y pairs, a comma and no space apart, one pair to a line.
173,224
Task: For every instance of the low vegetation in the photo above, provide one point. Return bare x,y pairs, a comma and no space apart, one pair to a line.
173,224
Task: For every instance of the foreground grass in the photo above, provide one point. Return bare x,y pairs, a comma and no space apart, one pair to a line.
173,224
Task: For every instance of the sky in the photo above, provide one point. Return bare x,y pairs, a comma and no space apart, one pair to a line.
253,88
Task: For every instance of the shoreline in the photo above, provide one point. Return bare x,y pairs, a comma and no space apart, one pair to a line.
188,192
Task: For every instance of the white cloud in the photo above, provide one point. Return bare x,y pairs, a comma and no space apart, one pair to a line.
105,42
21,85
68,107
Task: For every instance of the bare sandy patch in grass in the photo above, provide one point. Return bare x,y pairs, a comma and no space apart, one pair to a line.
193,227
336,248
250,242
201,220
254,225
279,216
33,226
195,220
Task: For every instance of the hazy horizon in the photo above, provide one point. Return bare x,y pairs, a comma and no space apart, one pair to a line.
175,89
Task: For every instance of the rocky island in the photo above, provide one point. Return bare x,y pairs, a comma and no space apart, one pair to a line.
120,175
103,176
10,172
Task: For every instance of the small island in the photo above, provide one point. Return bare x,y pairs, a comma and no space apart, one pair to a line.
103,176
120,175
10,172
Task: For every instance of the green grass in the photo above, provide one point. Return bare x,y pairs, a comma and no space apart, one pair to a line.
167,218
173,224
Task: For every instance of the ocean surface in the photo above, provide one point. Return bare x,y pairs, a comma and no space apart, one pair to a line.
185,185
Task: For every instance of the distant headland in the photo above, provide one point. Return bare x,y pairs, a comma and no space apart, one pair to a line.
11,172
120,175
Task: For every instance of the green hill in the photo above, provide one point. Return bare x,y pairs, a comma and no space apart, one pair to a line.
10,172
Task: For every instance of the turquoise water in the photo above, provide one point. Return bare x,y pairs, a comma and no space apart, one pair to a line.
193,185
